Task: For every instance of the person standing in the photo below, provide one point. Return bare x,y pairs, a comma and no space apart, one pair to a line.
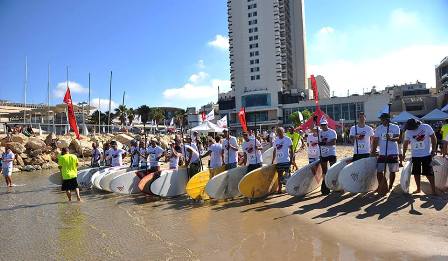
107,156
252,153
143,155
361,135
327,145
7,165
444,130
424,147
192,159
116,155
174,156
155,152
272,136
135,156
215,152
381,138
96,156
229,150
68,165
295,137
282,155
313,145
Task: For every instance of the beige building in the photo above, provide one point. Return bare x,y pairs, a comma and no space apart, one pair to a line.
322,87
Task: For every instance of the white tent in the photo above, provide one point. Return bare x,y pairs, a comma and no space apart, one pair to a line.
404,116
435,115
206,127
445,109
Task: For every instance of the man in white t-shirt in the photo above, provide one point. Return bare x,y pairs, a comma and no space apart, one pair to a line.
135,156
272,136
229,150
381,138
192,158
155,152
313,145
116,155
424,147
327,138
96,156
107,158
7,165
361,136
143,155
215,152
283,156
252,152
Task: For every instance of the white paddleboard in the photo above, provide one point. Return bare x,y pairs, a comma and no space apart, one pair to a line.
85,176
56,178
305,180
331,178
359,176
104,181
440,167
267,156
96,177
126,183
405,177
225,185
171,183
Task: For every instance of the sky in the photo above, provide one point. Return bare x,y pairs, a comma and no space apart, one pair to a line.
175,52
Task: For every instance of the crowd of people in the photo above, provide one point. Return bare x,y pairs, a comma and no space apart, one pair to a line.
388,142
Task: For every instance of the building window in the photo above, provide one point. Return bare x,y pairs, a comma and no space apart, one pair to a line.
257,77
252,78
254,13
252,62
256,61
254,100
252,6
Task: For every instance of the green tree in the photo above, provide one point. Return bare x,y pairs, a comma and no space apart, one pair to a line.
179,117
120,113
94,117
306,114
295,118
144,113
131,115
157,115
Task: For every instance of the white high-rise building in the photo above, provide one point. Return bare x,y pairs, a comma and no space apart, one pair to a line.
267,59
323,88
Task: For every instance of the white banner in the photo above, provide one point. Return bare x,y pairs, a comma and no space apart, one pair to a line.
222,123
210,116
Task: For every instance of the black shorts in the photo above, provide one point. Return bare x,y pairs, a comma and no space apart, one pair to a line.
253,167
360,156
69,184
422,166
283,167
331,159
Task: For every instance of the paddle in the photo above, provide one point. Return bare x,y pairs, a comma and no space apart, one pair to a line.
318,136
386,152
185,153
356,132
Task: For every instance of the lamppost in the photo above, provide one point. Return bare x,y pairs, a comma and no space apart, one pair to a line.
83,118
342,130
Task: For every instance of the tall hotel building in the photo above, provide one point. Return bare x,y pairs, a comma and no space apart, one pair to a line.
267,60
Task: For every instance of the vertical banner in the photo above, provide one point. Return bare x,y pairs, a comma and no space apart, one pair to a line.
242,117
315,91
71,113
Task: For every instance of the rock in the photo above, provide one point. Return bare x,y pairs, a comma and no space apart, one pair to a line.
46,157
16,147
28,168
35,153
14,170
37,167
27,161
124,138
49,165
20,138
82,147
54,155
37,160
50,139
23,155
62,144
35,143
20,161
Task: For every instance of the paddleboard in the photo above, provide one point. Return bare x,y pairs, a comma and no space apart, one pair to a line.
126,183
405,177
84,177
267,156
331,178
259,183
305,180
104,180
56,178
359,176
225,185
440,168
196,185
170,183
99,174
145,183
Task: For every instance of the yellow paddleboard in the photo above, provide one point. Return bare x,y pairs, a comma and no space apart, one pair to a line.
196,185
259,183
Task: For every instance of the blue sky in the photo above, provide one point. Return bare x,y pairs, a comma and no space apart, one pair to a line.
174,52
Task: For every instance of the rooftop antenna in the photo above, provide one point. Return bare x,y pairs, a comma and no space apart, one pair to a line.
25,89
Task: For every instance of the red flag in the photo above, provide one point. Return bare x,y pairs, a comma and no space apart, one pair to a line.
315,91
242,116
71,112
203,116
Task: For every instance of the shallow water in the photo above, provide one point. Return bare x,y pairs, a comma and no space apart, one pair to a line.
38,224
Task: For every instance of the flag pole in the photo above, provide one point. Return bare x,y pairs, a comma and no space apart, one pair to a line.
356,132
110,103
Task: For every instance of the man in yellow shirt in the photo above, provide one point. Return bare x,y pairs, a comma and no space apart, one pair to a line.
68,165
296,138
445,138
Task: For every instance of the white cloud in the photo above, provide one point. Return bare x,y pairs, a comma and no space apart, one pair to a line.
326,30
75,87
200,64
198,77
103,103
220,42
402,66
400,18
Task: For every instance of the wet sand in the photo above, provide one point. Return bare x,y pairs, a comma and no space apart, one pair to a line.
38,224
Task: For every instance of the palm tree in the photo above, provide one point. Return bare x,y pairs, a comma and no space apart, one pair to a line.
131,115
93,119
144,113
157,115
120,113
179,117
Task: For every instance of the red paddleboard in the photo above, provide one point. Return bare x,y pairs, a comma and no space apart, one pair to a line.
145,183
